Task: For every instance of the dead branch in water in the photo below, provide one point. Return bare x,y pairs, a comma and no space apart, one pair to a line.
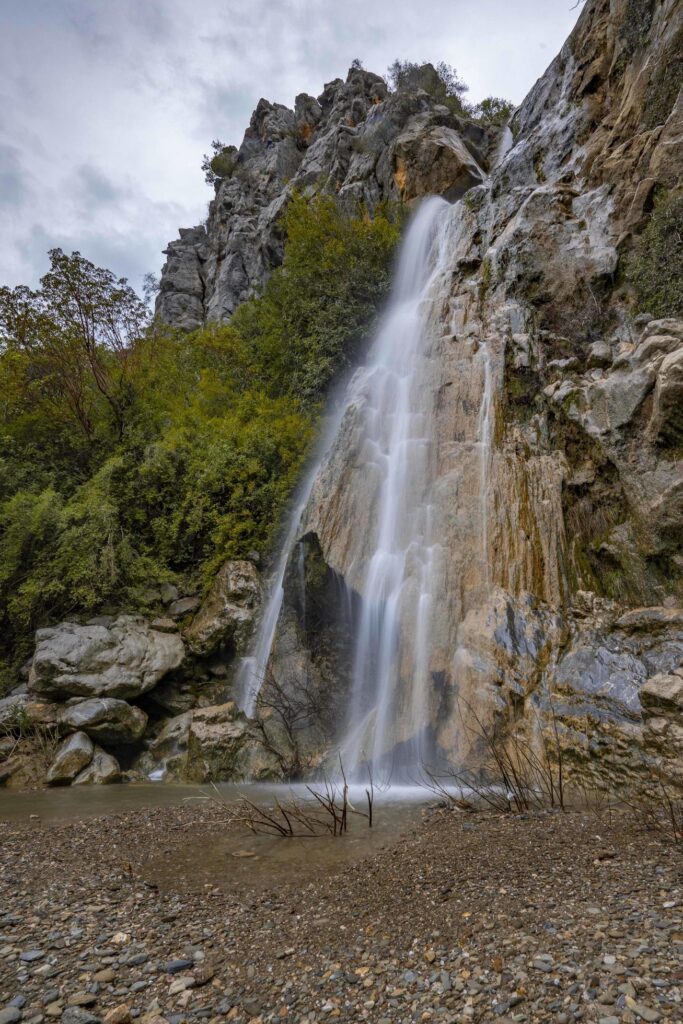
325,813
513,776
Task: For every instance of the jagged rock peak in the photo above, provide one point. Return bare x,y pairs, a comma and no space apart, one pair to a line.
357,140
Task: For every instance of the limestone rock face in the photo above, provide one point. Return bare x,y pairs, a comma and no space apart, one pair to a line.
74,754
224,744
557,578
124,659
356,141
102,770
227,613
106,719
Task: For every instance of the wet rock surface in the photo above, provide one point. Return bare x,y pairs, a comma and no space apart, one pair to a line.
551,918
222,743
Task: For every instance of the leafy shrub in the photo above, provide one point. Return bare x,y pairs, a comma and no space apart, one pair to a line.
442,82
221,164
654,266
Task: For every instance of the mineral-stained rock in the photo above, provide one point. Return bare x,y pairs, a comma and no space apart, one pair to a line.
74,754
224,744
433,161
227,613
551,410
106,719
102,770
125,659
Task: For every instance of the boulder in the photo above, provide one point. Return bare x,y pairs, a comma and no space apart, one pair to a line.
223,743
125,659
433,160
227,613
74,754
185,606
106,719
102,770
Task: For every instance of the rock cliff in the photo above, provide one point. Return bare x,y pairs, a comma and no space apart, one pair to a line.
557,586
357,141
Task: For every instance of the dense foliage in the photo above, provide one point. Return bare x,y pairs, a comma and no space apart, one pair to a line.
132,455
654,266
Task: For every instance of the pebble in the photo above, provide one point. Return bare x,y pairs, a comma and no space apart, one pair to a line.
10,1015
175,966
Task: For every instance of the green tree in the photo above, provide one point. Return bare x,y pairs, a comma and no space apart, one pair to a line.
71,342
493,110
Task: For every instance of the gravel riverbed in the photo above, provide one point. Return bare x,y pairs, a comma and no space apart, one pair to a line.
459,918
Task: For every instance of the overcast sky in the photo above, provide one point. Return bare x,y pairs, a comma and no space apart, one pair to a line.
106,106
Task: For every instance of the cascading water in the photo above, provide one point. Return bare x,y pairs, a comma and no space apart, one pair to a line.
391,401
389,704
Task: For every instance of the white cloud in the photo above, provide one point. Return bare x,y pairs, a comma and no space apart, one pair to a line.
108,107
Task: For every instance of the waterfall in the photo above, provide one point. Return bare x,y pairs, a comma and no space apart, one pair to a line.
391,696
388,715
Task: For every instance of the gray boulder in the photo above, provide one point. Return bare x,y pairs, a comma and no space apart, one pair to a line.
125,659
74,754
106,719
227,613
102,770
223,743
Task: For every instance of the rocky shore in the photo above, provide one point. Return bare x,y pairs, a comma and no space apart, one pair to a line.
551,917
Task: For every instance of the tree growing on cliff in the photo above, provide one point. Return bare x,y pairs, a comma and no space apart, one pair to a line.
220,163
441,81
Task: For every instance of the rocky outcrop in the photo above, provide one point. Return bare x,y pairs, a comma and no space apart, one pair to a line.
227,613
222,743
166,753
102,770
74,754
357,141
123,659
